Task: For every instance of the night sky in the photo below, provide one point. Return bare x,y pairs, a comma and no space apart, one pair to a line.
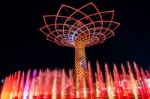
23,46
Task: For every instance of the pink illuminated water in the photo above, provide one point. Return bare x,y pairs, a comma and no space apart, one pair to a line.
130,83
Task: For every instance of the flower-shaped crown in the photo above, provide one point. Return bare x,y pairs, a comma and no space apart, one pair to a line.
86,24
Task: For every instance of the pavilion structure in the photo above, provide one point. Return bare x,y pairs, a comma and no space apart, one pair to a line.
79,28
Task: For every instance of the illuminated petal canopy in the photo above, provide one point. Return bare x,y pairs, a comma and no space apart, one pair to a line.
86,24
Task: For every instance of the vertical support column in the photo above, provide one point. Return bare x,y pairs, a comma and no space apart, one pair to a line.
80,68
80,62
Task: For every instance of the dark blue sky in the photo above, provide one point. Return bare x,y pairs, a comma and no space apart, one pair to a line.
24,47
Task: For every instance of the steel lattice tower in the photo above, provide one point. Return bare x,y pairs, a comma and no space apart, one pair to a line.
79,28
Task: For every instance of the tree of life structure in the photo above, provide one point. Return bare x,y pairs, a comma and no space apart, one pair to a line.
79,28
